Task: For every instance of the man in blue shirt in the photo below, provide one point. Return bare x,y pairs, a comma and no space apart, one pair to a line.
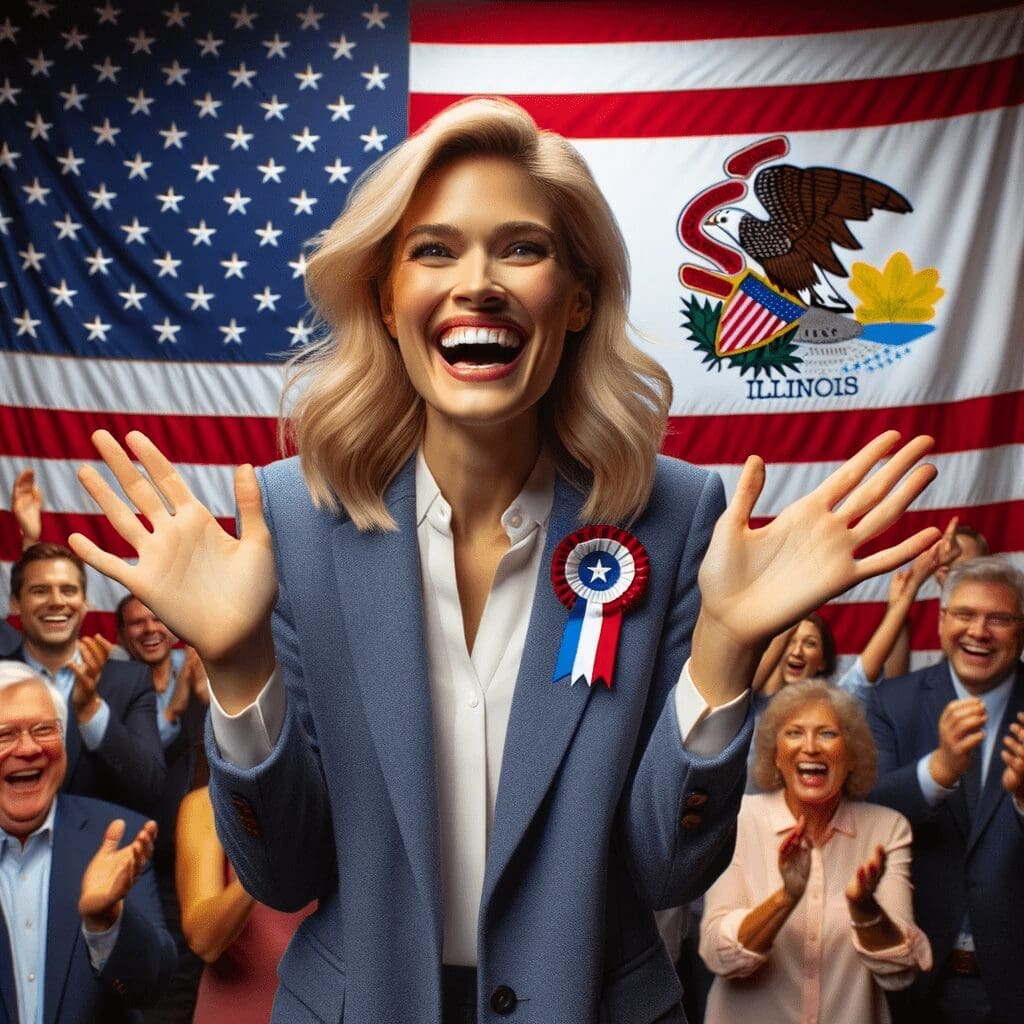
951,758
83,939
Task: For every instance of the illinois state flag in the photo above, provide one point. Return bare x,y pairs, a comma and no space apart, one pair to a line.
862,164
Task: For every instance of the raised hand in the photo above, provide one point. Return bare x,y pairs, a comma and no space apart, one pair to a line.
961,731
795,861
111,873
866,878
27,506
94,652
754,583
214,591
1013,757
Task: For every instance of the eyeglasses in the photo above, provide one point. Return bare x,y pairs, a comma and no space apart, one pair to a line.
43,733
991,620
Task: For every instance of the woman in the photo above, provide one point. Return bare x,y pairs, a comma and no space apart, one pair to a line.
239,940
818,932
477,437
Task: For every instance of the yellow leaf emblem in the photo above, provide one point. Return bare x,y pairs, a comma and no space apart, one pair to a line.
897,294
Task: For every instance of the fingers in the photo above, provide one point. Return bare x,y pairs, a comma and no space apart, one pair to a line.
1012,756
112,837
250,504
748,490
839,484
95,651
139,490
102,561
161,471
884,509
889,558
870,492
119,515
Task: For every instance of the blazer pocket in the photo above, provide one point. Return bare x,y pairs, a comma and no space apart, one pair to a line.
312,984
645,988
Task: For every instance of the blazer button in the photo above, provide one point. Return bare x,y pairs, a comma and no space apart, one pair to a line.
503,1000
698,798
691,821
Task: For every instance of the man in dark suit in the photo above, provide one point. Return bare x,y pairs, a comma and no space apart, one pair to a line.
951,758
113,747
82,940
10,639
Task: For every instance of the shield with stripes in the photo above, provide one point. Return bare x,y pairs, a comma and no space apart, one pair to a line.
754,315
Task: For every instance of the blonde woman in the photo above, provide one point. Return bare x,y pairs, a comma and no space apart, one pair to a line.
477,519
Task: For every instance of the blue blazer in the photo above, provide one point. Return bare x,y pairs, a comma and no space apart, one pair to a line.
10,639
961,865
601,815
143,957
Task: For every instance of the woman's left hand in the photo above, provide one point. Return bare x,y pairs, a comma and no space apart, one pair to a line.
756,582
866,878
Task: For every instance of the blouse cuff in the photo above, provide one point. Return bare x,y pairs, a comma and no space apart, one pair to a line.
895,968
731,958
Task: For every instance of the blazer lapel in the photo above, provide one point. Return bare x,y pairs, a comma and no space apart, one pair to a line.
544,717
63,928
992,792
379,578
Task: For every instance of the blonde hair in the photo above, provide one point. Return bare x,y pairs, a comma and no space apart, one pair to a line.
358,418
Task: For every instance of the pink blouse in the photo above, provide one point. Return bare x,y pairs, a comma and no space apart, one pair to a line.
816,970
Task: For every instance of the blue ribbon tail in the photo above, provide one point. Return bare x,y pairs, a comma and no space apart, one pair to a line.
570,641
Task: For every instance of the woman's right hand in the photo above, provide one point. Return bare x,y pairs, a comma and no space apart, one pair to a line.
213,590
795,861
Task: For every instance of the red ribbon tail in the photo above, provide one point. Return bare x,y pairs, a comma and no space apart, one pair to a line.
607,643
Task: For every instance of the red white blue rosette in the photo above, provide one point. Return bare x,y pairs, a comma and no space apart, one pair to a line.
598,573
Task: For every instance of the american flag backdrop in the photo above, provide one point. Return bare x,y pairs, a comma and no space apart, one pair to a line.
162,165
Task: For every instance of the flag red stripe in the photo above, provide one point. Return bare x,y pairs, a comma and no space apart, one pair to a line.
823,106
853,624
204,440
833,435
650,20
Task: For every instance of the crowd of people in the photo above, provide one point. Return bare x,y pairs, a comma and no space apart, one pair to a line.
445,794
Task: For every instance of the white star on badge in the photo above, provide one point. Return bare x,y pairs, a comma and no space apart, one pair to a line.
166,331
107,71
310,18
8,157
70,163
141,43
599,571
239,138
373,140
169,200
97,328
375,78
204,169
232,332
308,78
101,197
107,13
337,171
208,46
26,325
173,136
298,266
266,300
342,48
306,140
303,203
375,17
141,103
8,92
62,294
200,298
98,263
40,65
168,265
274,108
175,16
137,168
74,39
175,73
244,18
208,106
234,267
134,232
237,202
300,333
35,192
268,235
242,76
105,132
341,109
74,98
40,128
40,8
133,297
31,257
271,170
8,31
67,228
275,47
202,234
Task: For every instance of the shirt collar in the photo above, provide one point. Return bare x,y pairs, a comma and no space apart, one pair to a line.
781,820
530,508
994,699
45,830
38,666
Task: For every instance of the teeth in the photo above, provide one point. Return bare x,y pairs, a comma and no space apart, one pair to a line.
480,336
23,776
805,766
